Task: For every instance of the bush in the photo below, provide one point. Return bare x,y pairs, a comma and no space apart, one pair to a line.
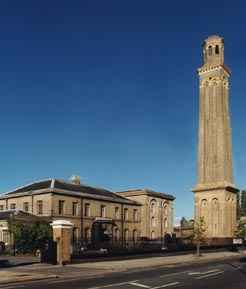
30,237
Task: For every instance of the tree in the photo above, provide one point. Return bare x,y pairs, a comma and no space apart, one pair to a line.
28,237
184,223
241,229
199,234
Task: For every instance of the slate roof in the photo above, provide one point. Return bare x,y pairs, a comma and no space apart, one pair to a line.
66,188
17,214
148,192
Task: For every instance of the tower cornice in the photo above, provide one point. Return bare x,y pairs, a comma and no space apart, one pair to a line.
207,69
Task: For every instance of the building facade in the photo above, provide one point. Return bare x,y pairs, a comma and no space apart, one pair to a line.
156,212
92,211
215,193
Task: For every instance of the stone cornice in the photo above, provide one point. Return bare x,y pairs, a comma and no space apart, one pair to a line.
206,69
216,186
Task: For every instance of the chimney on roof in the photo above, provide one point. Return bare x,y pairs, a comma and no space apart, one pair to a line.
75,180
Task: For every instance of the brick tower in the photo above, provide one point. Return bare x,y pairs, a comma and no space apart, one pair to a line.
215,193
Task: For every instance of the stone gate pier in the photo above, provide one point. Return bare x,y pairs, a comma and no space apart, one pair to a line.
62,235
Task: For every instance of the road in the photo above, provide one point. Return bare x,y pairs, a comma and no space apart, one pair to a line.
216,275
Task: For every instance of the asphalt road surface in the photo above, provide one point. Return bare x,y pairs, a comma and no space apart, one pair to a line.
220,275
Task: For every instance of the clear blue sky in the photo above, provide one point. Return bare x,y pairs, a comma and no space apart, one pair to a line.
108,90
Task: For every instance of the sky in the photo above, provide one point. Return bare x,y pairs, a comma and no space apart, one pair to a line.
108,90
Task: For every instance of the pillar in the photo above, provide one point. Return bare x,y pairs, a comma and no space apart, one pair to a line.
62,235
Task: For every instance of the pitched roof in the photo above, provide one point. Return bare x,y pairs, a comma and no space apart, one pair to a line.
17,214
138,192
65,188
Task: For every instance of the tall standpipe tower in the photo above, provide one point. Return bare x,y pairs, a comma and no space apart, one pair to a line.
215,193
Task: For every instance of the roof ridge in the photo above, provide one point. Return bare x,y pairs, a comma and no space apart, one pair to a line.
84,185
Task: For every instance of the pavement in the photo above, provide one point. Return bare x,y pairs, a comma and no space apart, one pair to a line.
96,270
13,261
227,273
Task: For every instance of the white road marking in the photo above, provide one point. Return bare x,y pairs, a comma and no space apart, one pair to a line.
114,284
203,273
209,275
166,285
138,284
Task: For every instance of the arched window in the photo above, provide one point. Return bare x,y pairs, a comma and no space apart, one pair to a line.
204,203
215,216
210,50
217,50
165,223
152,207
165,209
153,222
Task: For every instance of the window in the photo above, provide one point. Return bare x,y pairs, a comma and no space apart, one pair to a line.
153,221
165,210
6,236
125,214
12,206
75,235
135,215
87,210
117,234
204,203
103,211
210,50
126,235
61,207
135,236
165,223
1,207
75,209
152,207
87,234
217,51
40,207
26,206
117,212
153,235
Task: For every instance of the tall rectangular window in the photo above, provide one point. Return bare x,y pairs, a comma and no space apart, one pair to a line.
87,210
75,209
12,206
135,215
117,212
61,207
103,211
40,207
125,214
26,206
1,207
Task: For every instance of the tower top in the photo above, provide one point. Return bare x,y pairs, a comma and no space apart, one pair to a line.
214,38
213,51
